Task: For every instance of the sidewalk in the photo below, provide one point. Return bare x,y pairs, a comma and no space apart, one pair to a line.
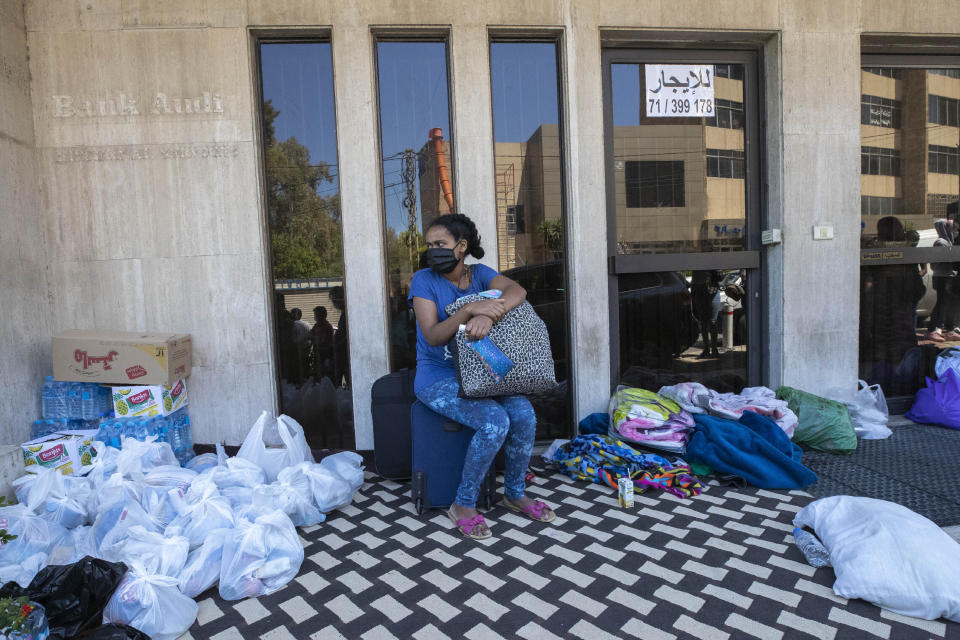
720,565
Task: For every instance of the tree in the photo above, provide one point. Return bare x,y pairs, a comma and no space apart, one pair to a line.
306,238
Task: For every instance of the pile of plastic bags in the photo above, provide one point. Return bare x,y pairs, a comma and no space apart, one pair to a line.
180,531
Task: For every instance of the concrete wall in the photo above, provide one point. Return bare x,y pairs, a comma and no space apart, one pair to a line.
154,217
24,320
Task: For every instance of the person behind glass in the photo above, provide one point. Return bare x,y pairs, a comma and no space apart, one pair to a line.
321,339
944,273
704,286
504,420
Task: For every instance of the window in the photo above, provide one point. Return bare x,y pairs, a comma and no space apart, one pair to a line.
527,148
731,71
950,73
944,110
943,159
516,223
729,114
306,240
886,72
877,161
880,206
880,112
724,163
654,184
417,166
939,203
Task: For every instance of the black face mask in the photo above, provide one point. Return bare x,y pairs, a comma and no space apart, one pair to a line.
442,260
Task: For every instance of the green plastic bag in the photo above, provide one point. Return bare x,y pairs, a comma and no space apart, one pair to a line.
824,425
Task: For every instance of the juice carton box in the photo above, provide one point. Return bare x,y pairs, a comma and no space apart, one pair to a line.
150,400
72,453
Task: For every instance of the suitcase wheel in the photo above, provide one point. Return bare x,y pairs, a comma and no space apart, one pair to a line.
418,505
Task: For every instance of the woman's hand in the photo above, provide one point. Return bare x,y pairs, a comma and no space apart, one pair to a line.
478,327
494,309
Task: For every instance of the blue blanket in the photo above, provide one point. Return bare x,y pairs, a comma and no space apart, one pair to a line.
755,449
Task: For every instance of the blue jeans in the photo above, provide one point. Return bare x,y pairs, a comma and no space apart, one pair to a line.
506,421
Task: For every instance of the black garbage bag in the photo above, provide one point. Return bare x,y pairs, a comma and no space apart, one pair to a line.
117,631
73,595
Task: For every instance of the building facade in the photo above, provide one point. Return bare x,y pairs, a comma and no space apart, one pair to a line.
210,167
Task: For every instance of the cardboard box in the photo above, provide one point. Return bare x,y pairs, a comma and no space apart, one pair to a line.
116,357
70,452
149,400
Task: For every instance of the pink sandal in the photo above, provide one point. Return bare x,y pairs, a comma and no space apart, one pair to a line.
533,511
467,525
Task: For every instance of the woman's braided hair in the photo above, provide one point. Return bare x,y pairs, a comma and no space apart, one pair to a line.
461,227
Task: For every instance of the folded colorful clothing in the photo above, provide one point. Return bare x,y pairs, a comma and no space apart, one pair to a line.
604,460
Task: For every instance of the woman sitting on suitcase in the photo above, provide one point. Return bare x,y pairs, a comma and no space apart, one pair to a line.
505,420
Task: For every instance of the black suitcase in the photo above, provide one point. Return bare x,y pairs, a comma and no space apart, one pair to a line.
391,399
439,447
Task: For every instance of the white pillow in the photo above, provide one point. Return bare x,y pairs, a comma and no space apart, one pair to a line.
888,555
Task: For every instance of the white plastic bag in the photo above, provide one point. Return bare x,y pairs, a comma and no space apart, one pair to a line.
239,497
260,557
112,527
234,472
349,467
202,462
48,498
138,457
201,510
151,603
157,484
291,493
158,554
328,489
24,572
34,536
202,570
115,489
886,554
869,412
868,409
275,443
947,359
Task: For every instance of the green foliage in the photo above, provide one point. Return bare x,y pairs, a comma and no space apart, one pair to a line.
303,208
13,613
4,536
552,232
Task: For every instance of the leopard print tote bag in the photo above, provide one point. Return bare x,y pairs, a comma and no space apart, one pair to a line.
514,358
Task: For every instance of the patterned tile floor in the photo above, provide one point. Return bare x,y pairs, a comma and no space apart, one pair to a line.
721,565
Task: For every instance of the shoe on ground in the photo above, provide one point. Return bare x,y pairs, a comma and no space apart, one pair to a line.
935,336
951,336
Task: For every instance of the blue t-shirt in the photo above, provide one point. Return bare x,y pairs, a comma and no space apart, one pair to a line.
436,363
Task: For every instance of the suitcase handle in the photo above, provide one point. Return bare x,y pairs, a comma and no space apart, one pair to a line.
450,425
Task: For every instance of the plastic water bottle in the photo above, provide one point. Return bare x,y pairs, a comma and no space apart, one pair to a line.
48,398
812,549
88,402
105,400
187,434
74,410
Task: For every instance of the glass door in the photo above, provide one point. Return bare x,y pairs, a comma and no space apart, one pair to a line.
909,219
683,210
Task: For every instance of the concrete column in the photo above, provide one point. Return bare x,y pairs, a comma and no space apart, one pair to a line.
25,329
363,250
586,216
820,88
472,117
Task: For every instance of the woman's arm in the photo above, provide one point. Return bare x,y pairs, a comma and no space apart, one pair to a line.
438,333
512,293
